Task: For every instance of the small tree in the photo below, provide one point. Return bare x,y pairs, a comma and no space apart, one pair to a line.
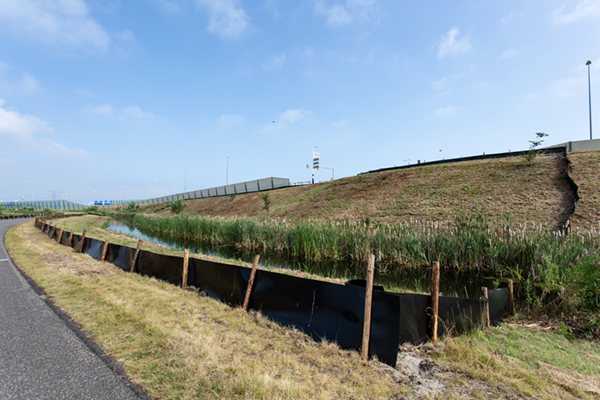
533,146
132,207
267,201
177,206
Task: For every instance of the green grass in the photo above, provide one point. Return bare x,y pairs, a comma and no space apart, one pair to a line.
516,356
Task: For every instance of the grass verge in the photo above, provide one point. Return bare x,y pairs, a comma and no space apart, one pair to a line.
528,357
179,345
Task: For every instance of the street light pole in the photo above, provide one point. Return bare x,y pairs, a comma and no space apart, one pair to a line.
590,96
227,174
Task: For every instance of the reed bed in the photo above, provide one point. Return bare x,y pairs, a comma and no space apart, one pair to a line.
470,242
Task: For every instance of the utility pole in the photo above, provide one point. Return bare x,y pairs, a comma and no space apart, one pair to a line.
590,95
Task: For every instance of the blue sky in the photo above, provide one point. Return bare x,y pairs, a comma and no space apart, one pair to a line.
117,99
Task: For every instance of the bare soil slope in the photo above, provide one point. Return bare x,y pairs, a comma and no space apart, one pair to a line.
538,191
585,171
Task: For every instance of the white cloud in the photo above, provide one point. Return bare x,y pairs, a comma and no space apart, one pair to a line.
450,44
23,130
105,109
340,14
126,40
137,113
295,116
56,22
440,84
274,62
510,53
169,6
25,85
129,112
226,18
4,67
231,120
565,88
447,112
585,9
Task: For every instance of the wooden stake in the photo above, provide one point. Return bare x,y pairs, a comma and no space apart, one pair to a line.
81,243
435,297
484,293
511,295
104,250
186,260
61,231
135,256
368,308
250,282
71,237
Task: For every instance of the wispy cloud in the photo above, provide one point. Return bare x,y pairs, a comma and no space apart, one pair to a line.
585,9
26,131
226,18
21,86
229,121
440,84
126,113
274,62
448,112
294,116
344,13
452,45
55,22
511,53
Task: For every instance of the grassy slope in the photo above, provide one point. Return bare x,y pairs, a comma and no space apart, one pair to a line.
585,171
529,192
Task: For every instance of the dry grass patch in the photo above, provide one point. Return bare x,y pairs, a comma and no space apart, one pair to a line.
178,345
584,170
530,360
536,191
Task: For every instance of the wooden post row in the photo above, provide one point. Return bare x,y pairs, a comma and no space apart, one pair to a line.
104,250
368,308
135,256
61,231
251,282
511,295
484,293
435,297
82,242
186,260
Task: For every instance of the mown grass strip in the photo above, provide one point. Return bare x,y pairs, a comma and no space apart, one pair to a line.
178,345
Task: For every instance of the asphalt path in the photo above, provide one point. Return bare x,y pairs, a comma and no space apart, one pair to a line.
43,355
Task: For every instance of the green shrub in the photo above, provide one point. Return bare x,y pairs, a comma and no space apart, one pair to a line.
266,201
132,207
177,206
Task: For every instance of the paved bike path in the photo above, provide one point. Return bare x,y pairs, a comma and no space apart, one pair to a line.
42,353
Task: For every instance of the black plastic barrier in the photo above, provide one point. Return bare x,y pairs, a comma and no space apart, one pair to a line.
323,310
499,304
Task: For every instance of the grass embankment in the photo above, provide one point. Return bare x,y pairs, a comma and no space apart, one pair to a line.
584,169
179,345
531,192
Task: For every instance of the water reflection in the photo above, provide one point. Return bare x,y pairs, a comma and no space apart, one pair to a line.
452,283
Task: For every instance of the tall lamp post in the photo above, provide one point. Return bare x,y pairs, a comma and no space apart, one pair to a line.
227,173
590,96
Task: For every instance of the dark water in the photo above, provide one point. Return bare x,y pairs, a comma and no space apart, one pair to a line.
452,283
